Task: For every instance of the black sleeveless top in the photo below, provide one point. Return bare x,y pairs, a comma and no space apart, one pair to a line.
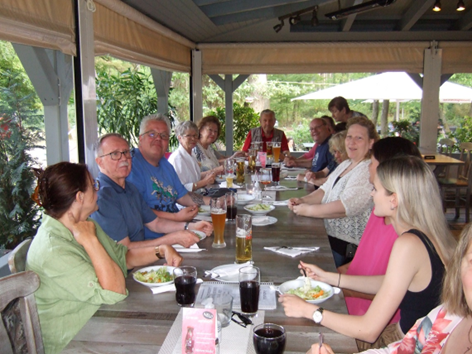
418,304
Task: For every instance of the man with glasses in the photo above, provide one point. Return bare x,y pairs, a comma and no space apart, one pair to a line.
155,177
122,213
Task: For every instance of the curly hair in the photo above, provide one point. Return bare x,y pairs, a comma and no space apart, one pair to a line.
202,123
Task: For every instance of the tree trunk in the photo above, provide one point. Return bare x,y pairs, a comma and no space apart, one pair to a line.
384,118
375,112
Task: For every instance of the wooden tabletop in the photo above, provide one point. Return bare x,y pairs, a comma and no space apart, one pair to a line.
440,159
140,323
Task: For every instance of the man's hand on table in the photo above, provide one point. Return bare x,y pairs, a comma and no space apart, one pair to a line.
171,256
204,226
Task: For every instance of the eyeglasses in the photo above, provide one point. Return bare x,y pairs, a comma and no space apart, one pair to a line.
153,135
96,185
244,321
188,136
116,155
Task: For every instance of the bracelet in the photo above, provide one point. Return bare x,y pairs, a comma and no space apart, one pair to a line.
195,186
339,279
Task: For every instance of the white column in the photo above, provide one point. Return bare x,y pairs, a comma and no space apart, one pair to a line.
161,80
430,100
196,89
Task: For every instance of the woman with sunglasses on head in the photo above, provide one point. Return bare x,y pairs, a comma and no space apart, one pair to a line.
406,191
448,328
80,267
186,165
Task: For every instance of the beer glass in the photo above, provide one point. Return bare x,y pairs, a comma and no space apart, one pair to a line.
276,151
252,160
229,172
269,149
249,283
240,170
269,338
218,216
276,173
185,279
243,238
231,205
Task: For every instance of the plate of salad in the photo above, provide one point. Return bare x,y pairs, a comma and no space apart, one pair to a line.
154,276
312,291
203,210
259,209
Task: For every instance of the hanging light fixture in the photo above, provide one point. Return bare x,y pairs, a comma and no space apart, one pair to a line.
437,6
460,6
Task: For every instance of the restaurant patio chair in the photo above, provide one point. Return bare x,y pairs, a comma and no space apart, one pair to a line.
20,331
445,148
462,185
17,258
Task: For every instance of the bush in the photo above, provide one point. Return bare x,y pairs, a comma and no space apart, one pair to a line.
463,134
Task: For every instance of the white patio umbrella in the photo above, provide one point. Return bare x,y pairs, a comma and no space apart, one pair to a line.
393,86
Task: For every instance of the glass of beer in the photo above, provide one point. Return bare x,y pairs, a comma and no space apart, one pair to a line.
231,205
269,338
276,151
218,216
269,149
243,238
276,173
252,160
249,283
240,170
185,279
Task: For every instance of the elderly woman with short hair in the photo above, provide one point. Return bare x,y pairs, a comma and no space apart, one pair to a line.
186,165
209,128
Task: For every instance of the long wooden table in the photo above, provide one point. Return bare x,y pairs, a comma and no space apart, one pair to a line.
141,322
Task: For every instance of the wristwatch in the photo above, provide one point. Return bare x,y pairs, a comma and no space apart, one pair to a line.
158,253
318,315
186,225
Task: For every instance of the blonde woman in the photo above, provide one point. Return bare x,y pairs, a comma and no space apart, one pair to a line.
416,265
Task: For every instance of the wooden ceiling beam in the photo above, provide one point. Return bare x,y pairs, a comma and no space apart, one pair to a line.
414,13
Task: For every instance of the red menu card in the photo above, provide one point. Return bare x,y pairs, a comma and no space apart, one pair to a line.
198,331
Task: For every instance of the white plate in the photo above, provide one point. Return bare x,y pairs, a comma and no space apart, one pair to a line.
154,268
201,235
233,278
244,198
258,212
205,210
271,221
294,284
220,179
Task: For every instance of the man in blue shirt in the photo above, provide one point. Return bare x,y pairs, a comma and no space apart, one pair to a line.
155,177
122,212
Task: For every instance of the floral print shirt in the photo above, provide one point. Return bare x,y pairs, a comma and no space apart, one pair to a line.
427,336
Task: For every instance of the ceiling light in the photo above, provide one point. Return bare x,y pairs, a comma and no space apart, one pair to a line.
460,6
437,6
278,28
367,6
294,20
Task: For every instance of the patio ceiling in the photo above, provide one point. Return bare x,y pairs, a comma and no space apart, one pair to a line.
251,21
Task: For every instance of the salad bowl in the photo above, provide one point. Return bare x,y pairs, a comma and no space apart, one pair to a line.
312,291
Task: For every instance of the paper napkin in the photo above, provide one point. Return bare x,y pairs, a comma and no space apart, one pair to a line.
193,248
292,251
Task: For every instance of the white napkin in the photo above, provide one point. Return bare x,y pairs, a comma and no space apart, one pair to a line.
166,288
202,217
193,248
280,188
260,219
224,185
293,168
229,271
292,251
291,178
280,202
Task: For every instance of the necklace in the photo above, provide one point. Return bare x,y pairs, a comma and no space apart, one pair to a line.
470,342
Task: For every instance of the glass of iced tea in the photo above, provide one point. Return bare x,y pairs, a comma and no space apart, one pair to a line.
276,151
185,279
231,205
249,284
218,216
243,238
276,173
269,338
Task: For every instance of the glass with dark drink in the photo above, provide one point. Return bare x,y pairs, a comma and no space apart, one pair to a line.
185,279
231,205
218,217
269,338
276,173
249,283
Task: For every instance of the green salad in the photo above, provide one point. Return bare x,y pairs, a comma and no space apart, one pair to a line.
259,207
159,276
306,292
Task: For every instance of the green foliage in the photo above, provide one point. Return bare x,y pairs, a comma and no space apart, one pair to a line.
463,133
244,118
405,129
18,213
301,134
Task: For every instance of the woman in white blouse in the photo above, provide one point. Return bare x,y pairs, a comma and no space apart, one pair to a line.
344,201
209,158
186,165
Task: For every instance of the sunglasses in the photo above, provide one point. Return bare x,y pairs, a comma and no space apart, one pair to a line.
244,321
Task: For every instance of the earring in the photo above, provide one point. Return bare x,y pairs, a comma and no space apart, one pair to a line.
392,208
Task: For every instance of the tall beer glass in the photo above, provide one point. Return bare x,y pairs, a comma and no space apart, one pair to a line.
218,216
243,238
276,151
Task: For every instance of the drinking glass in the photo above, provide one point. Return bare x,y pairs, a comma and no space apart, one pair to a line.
243,238
262,158
240,170
269,338
249,283
229,167
276,151
185,279
252,160
231,205
269,149
224,307
218,216
276,173
266,176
